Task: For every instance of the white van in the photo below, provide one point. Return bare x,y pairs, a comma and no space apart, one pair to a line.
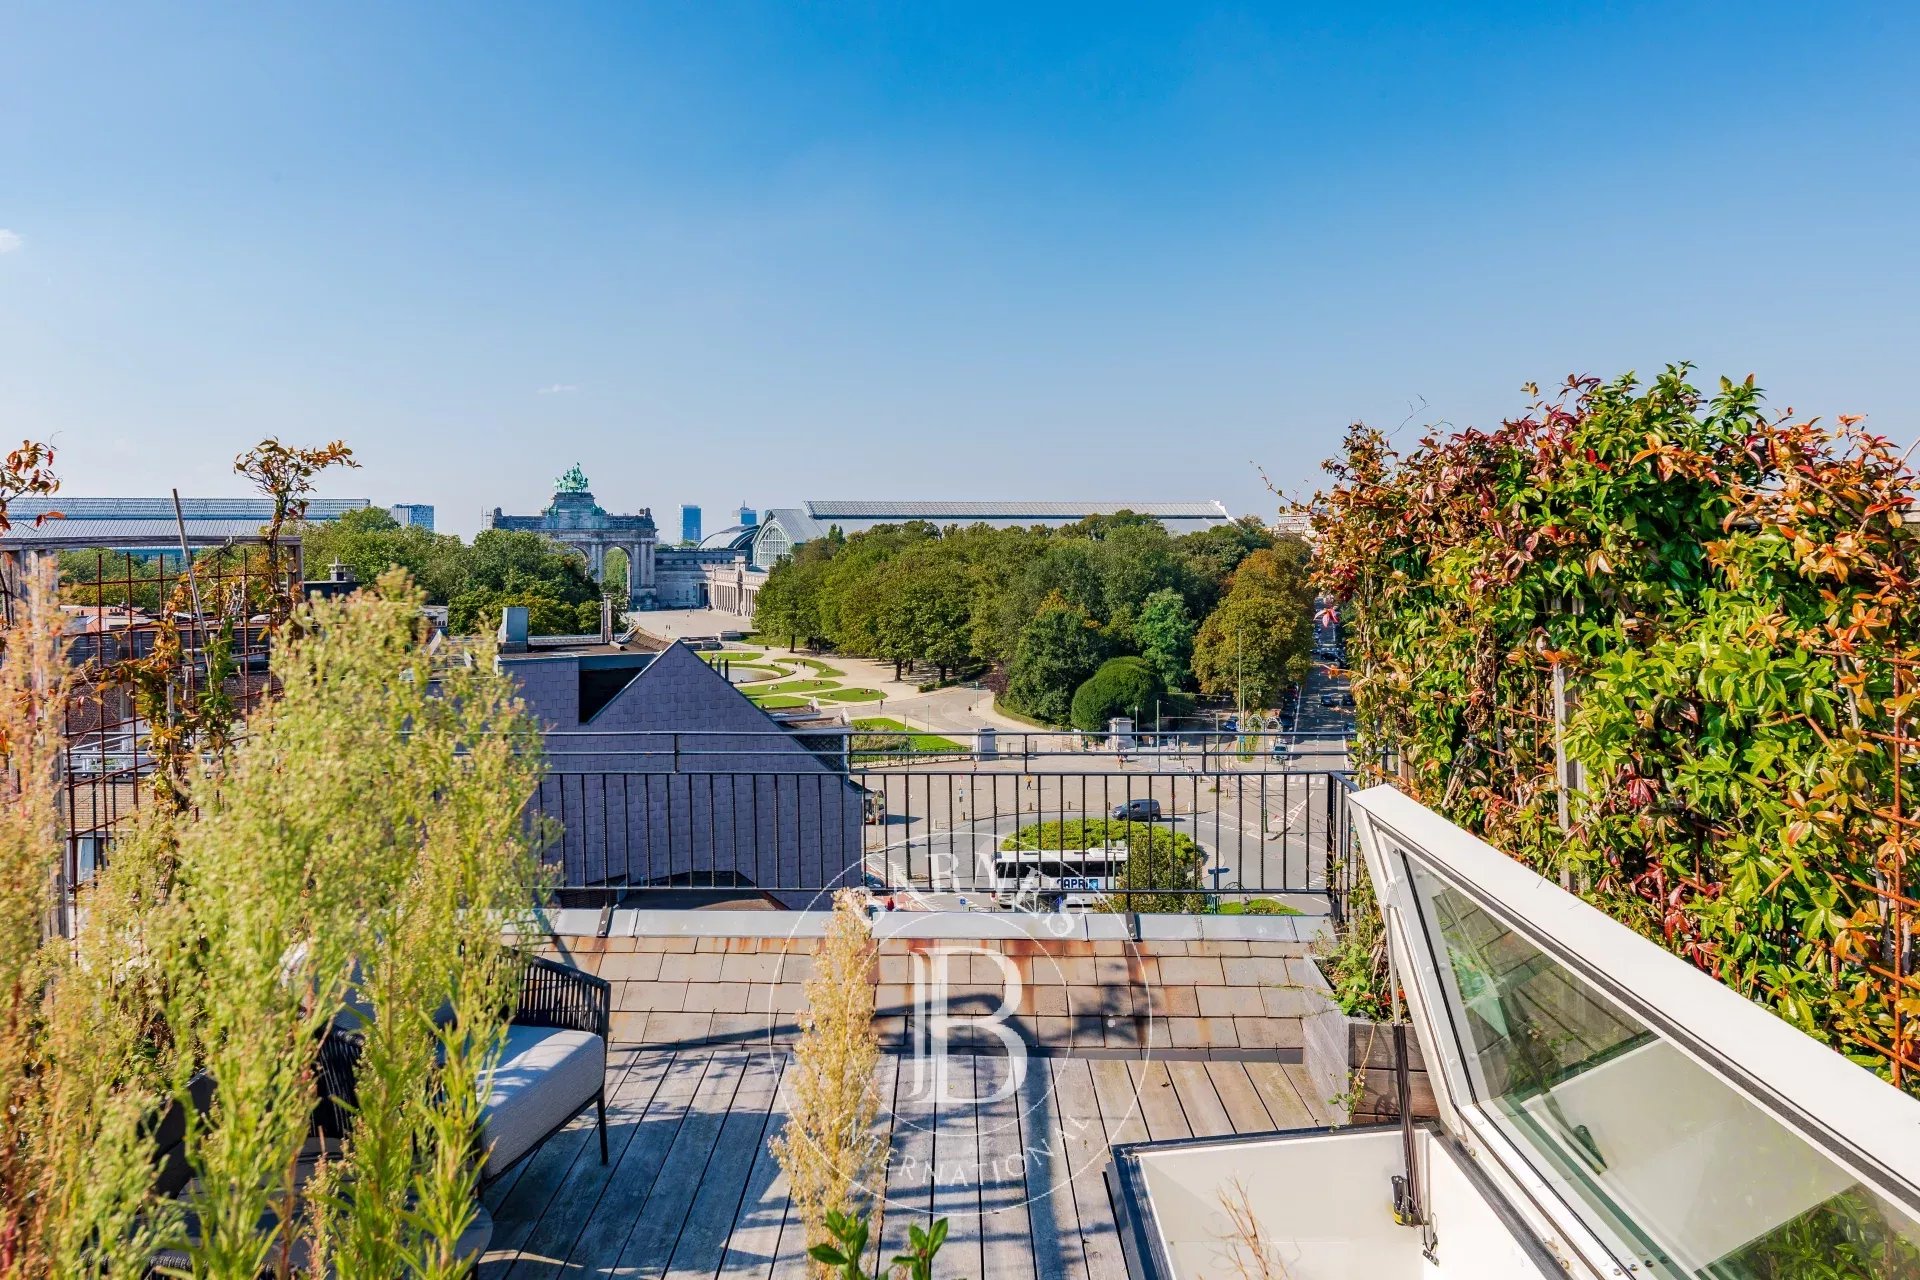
1044,879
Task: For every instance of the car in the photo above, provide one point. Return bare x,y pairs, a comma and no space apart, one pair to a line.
1328,653
1142,810
1339,700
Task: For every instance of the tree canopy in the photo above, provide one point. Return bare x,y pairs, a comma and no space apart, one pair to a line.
1260,639
475,580
1043,606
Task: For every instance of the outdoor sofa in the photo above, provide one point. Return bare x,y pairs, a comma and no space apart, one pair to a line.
552,1068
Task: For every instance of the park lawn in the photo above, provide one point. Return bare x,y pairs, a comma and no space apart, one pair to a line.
735,656
799,686
851,695
814,665
1257,907
777,701
918,742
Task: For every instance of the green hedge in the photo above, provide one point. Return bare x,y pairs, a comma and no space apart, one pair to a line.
1121,687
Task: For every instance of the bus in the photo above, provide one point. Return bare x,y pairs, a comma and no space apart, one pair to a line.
1056,879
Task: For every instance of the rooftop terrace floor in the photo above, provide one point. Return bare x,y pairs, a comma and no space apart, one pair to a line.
690,1189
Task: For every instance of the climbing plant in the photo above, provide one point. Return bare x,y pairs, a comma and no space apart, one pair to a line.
1657,643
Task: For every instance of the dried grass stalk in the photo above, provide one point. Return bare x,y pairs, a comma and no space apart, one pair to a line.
1243,1249
829,1145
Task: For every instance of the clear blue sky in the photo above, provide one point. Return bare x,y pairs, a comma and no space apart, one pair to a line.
716,251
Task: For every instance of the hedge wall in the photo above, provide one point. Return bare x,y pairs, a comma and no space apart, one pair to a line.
1660,645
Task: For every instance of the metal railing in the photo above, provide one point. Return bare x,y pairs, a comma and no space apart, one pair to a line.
1209,819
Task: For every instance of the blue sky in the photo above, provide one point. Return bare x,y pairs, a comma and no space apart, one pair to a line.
717,252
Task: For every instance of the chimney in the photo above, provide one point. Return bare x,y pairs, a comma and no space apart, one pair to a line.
514,625
606,619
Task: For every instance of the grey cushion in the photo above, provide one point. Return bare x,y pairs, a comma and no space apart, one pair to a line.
545,1076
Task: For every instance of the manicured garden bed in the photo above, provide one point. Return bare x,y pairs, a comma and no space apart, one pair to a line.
916,742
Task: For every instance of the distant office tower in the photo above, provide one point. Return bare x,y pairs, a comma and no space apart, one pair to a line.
412,514
689,523
749,517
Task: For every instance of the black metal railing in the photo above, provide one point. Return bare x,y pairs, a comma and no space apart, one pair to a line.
1194,819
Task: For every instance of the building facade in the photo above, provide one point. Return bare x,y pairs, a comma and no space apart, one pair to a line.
575,520
413,515
690,524
151,524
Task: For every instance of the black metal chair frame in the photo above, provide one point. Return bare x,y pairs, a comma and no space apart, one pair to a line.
551,995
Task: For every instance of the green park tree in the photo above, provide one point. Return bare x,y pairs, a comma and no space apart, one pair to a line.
1259,640
369,542
1164,631
789,601
1058,650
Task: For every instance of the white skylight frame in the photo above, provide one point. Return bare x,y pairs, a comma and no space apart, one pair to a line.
1864,1125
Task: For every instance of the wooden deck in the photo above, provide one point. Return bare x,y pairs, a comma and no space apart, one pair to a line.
690,1190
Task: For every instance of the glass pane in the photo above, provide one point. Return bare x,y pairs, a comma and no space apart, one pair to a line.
1685,1175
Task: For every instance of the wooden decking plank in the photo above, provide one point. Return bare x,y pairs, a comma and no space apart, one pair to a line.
886,1079
573,1202
1053,1220
1283,1100
656,1228
1321,1109
702,1246
956,1170
1245,1112
1199,1101
909,1178
1120,1105
1085,1133
1159,1101
633,1175
1006,1246
755,1238
517,1211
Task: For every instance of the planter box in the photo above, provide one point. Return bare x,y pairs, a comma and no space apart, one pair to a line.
1349,1062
